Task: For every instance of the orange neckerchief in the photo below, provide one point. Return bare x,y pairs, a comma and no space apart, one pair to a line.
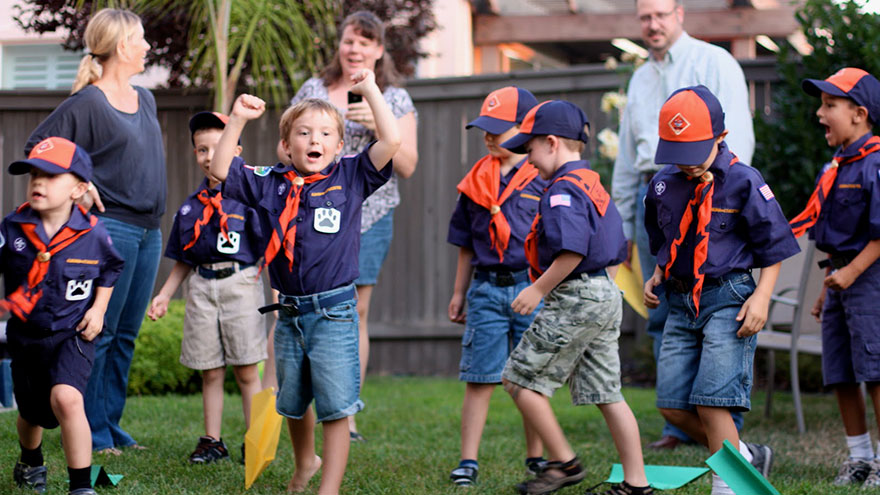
481,186
810,215
588,181
285,232
22,301
703,201
211,204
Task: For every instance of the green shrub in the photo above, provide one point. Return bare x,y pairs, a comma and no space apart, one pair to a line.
156,368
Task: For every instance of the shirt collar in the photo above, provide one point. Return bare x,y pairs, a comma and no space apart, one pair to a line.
568,167
77,220
853,148
282,168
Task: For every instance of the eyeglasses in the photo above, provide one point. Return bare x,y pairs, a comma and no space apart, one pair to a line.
659,17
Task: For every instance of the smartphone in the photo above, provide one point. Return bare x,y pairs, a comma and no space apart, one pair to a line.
353,98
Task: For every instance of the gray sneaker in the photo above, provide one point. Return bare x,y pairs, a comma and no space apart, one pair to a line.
762,457
853,471
873,478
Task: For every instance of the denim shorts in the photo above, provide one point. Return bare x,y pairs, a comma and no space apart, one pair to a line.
493,330
702,361
374,248
851,331
316,357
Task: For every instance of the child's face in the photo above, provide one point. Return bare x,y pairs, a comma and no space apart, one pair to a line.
699,170
839,118
542,154
314,141
493,142
205,141
53,193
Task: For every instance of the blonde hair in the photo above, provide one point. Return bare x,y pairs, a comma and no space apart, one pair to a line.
294,112
103,33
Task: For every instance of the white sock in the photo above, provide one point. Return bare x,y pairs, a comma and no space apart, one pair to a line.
860,447
719,487
744,450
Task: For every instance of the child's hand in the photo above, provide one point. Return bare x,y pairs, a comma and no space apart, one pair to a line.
457,314
651,299
158,307
91,324
841,279
817,307
364,80
361,113
248,107
527,300
753,314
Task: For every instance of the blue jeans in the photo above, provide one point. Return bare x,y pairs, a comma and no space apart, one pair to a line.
105,396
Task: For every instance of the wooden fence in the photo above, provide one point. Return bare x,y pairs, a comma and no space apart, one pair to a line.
410,332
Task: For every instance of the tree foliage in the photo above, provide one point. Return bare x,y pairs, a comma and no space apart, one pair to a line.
791,149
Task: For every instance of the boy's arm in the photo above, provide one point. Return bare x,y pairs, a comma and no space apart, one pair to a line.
562,266
753,312
159,306
407,156
463,274
246,107
841,279
387,131
93,321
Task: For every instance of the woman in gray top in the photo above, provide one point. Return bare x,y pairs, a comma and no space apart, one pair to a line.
361,45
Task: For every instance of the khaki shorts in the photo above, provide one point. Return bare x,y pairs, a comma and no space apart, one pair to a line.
221,326
574,339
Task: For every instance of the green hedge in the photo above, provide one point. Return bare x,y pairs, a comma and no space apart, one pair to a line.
156,367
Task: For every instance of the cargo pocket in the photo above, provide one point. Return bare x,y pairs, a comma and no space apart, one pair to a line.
467,349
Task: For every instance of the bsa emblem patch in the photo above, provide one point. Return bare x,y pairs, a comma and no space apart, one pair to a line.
77,290
262,171
659,188
45,146
678,124
19,244
492,104
327,220
281,188
185,209
228,246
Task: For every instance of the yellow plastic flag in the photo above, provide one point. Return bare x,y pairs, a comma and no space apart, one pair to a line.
631,283
261,439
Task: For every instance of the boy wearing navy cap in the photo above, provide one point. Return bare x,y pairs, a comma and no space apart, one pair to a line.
312,208
219,240
58,267
499,197
710,220
843,216
575,237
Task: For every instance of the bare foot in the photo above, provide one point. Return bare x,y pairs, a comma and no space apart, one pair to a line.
109,450
136,446
302,477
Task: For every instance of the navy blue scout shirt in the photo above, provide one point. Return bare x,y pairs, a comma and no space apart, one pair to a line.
747,229
570,222
245,244
327,245
850,216
469,226
74,272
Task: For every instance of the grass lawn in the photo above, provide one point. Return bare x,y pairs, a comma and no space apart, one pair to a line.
412,428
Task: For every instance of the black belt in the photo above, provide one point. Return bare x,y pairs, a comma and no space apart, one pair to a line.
685,286
223,272
836,261
500,278
300,305
594,273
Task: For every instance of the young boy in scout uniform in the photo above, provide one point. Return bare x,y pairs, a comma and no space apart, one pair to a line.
844,213
58,268
576,235
312,209
219,240
499,197
710,220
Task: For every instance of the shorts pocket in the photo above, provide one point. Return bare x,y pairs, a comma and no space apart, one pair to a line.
467,349
739,291
537,351
343,312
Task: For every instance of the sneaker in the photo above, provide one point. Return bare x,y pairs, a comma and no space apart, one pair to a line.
82,491
30,477
534,465
762,457
852,471
549,480
623,488
209,450
464,475
872,480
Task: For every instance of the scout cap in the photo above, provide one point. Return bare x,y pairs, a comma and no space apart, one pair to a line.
850,82
55,155
690,121
502,109
206,120
557,117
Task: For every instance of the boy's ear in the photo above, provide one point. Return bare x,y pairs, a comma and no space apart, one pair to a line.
238,150
721,136
79,190
861,115
340,146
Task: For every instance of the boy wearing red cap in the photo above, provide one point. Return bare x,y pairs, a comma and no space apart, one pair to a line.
843,216
218,239
58,268
499,197
710,220
575,237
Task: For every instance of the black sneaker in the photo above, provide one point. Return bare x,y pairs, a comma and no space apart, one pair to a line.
464,475
762,457
82,491
209,450
30,477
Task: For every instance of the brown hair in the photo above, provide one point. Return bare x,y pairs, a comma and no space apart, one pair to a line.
294,112
103,33
369,26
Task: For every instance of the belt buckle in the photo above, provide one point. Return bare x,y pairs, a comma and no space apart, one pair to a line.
504,279
291,309
224,272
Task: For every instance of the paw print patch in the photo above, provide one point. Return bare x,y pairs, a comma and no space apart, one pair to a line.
228,246
77,290
327,220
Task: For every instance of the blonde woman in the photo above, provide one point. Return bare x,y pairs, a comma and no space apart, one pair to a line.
116,124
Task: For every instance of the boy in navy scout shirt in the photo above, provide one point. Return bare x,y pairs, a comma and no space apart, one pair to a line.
576,235
58,268
710,220
499,197
218,239
312,208
843,216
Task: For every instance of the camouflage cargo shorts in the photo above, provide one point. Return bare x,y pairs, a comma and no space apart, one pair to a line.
574,339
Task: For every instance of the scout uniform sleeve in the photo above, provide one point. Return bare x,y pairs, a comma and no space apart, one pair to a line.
656,239
370,178
873,182
568,220
768,232
460,225
174,248
243,181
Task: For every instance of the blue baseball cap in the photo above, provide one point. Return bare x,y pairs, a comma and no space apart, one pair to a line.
503,109
557,117
690,121
55,155
850,82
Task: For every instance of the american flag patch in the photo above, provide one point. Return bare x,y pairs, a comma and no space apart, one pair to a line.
560,200
766,192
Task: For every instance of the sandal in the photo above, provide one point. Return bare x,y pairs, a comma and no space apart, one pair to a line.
622,488
549,479
464,475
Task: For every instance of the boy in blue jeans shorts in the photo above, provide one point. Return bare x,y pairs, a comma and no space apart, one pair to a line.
218,240
312,208
843,216
58,266
575,237
710,220
499,197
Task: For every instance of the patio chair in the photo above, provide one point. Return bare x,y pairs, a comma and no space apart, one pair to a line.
802,333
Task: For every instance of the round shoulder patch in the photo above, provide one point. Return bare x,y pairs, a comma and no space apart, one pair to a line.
659,188
185,209
262,171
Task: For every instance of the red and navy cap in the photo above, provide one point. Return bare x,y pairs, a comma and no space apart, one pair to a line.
690,121
850,82
56,155
557,117
206,120
503,109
